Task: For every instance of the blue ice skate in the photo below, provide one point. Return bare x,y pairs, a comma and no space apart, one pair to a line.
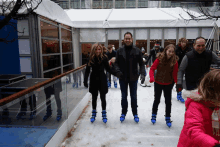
104,116
59,115
92,119
122,118
179,97
168,121
109,84
153,119
115,84
136,118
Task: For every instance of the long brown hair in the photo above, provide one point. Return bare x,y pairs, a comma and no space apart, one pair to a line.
163,56
209,86
93,54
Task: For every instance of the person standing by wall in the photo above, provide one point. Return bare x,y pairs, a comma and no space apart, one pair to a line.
181,50
127,60
195,64
167,68
98,80
111,54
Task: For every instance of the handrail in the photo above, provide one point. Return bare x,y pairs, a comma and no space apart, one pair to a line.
35,87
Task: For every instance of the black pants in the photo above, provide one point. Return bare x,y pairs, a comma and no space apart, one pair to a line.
167,89
32,103
94,101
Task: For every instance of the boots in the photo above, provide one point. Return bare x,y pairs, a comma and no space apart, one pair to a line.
48,114
21,114
168,121
32,115
179,97
109,84
136,118
92,119
122,118
153,119
59,114
104,116
115,84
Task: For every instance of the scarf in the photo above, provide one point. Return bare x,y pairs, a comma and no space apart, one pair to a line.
216,122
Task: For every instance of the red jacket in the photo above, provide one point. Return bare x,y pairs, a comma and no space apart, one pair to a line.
197,129
154,67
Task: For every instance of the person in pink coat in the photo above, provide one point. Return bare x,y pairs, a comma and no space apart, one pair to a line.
201,124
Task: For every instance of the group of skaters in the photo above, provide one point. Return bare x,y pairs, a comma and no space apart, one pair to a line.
202,115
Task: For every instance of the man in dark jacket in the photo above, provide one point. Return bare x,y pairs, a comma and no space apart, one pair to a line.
181,50
144,57
111,54
126,65
195,64
156,49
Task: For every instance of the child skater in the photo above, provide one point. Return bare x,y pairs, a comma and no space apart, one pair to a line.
201,125
167,67
98,80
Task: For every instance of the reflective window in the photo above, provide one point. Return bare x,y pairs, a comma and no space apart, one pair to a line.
169,41
97,4
67,68
50,62
52,74
152,43
48,30
50,46
142,43
66,35
86,49
65,26
83,6
66,47
75,4
115,43
67,58
107,4
119,4
142,4
130,4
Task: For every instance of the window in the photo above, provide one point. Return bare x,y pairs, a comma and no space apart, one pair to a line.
50,62
50,46
130,4
107,4
52,74
97,4
48,30
119,4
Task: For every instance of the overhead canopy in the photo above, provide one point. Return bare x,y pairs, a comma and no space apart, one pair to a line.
141,17
47,9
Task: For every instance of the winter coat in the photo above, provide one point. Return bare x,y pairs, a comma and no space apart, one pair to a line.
181,53
134,59
98,77
197,130
165,74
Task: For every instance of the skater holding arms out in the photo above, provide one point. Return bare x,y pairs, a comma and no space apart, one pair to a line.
201,125
98,80
166,65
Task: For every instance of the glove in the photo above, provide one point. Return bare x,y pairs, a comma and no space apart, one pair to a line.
86,84
179,88
142,79
119,75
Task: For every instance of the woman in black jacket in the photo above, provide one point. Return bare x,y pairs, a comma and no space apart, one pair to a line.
98,80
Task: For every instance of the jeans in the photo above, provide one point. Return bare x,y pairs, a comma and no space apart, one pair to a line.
133,94
167,90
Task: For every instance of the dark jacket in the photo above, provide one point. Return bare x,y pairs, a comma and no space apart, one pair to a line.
145,57
134,59
98,79
110,55
181,53
153,53
198,66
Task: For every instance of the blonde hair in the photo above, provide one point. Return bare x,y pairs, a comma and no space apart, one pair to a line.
163,56
93,54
